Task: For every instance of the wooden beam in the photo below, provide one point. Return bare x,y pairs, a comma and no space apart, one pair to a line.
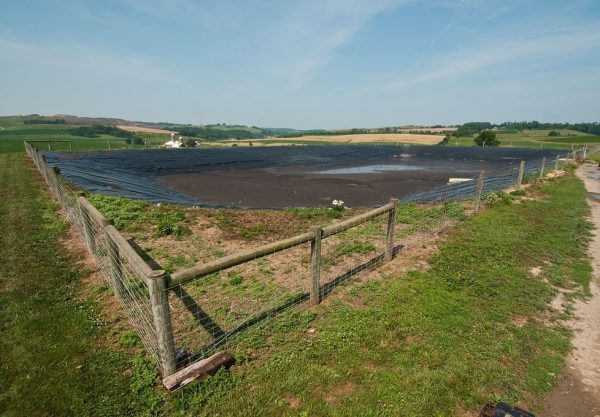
315,265
201,270
355,221
478,192
389,234
200,369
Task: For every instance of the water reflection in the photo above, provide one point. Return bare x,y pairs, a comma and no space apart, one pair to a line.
369,169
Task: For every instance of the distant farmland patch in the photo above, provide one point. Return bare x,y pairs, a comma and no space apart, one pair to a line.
374,137
143,129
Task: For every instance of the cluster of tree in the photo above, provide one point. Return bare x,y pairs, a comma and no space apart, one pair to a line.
218,134
44,121
471,128
592,128
95,131
487,138
444,141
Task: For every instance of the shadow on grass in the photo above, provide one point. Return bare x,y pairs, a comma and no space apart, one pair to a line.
293,300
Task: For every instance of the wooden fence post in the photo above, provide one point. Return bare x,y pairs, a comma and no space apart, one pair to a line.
567,159
114,260
543,167
159,298
85,221
521,172
315,265
478,192
389,235
556,162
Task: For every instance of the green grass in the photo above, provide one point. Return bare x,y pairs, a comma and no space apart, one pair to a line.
55,359
534,139
595,157
432,343
474,328
13,132
133,215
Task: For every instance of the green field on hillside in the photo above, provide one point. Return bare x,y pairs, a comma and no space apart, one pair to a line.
535,139
13,131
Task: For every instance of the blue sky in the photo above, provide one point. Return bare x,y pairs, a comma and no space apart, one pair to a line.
303,63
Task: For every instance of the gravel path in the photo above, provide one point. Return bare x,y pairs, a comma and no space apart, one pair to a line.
578,392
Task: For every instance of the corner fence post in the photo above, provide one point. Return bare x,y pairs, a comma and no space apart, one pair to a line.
159,298
114,260
521,172
315,265
389,235
478,192
85,221
542,167
556,162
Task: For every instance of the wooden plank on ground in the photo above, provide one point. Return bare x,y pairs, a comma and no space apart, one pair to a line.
200,369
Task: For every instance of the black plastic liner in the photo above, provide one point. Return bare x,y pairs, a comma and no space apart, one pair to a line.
133,174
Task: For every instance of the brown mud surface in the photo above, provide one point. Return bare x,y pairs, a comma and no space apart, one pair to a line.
309,186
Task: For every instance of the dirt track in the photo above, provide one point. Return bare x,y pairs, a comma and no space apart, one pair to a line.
578,392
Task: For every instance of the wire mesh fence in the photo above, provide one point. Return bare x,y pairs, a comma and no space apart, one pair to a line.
188,315
124,277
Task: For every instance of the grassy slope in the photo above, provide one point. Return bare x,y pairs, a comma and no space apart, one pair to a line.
53,360
13,132
475,327
536,139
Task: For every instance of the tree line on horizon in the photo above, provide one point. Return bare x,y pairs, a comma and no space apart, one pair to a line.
472,128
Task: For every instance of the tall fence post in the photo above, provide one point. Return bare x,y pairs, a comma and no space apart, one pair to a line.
389,235
114,260
315,265
85,222
478,192
556,162
521,172
567,159
159,298
543,167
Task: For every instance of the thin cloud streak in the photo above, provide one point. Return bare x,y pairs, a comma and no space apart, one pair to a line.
463,63
312,33
82,58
